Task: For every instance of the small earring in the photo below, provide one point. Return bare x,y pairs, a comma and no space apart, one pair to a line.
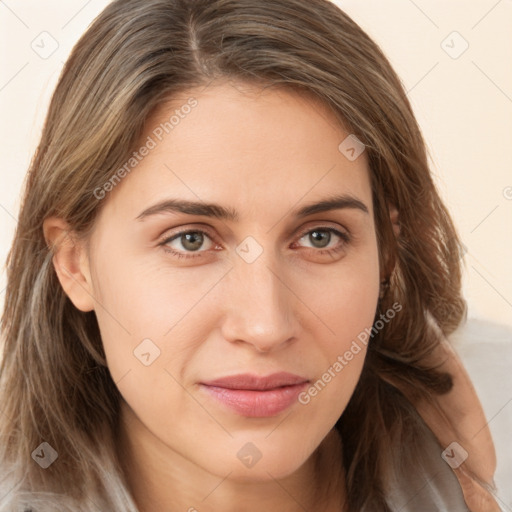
384,286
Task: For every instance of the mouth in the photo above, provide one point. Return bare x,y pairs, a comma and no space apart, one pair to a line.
254,396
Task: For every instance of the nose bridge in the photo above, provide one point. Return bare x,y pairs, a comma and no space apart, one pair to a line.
260,306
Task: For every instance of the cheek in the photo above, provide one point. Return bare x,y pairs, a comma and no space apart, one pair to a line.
346,297
139,299
347,308
152,319
141,320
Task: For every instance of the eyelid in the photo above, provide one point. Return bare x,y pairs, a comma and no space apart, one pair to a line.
319,225
185,229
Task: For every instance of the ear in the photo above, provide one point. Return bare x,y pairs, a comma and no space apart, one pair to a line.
393,215
70,262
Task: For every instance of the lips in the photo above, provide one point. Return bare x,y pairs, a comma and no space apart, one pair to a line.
255,396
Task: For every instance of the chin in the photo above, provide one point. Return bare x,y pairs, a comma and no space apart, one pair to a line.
265,463
264,472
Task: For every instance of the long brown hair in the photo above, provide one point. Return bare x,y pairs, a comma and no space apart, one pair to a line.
55,386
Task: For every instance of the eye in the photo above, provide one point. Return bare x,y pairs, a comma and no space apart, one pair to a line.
188,243
321,237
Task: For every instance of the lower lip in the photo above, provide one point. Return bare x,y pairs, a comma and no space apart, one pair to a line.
257,404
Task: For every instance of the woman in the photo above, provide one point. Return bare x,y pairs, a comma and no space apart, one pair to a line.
232,278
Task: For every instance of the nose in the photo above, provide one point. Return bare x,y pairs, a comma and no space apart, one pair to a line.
259,307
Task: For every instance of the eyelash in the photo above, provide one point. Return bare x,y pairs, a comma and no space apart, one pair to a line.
344,236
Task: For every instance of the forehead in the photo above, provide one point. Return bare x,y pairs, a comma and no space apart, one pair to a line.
245,147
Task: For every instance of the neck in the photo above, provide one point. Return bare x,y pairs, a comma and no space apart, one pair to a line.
162,480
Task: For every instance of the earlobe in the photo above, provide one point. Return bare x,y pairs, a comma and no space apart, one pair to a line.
70,262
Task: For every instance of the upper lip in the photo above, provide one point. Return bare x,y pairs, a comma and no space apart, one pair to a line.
255,382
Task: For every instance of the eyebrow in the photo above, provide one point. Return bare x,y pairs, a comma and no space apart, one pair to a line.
229,214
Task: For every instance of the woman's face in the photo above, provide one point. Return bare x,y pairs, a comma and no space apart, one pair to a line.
187,294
